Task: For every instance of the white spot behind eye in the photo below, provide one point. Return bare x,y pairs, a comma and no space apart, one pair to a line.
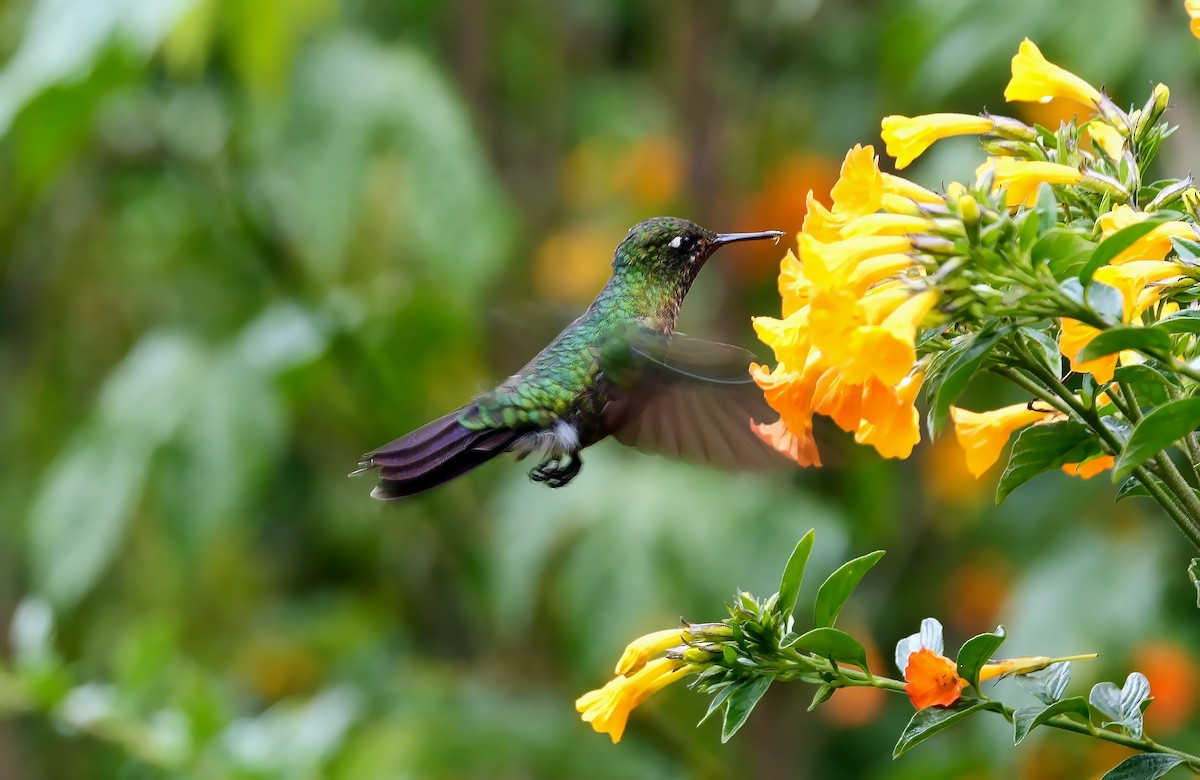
676,242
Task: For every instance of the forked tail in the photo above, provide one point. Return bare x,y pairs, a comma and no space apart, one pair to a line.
433,454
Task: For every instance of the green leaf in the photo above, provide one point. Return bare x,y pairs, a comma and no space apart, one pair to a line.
1123,706
717,700
1045,347
1151,341
1064,251
793,574
1028,718
834,591
976,652
1186,321
1143,766
1141,373
1114,245
958,373
741,702
1158,430
823,694
1046,208
1041,448
834,644
1186,248
1105,301
931,720
1048,684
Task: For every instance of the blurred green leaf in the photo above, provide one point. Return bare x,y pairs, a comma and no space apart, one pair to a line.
1048,684
832,595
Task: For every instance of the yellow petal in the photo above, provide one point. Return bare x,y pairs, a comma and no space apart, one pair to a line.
1036,79
907,138
982,435
642,649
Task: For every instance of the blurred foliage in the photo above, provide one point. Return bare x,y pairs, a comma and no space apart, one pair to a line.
241,243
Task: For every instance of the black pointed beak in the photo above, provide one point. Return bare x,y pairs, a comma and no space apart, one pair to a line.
729,238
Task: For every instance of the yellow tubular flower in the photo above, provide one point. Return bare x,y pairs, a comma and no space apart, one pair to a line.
860,188
790,394
788,338
907,138
884,224
608,708
836,313
1193,11
890,422
1073,337
794,287
887,351
1120,217
1106,138
982,435
1021,178
875,269
800,445
1132,279
837,399
642,649
1155,245
827,263
819,222
897,185
1037,80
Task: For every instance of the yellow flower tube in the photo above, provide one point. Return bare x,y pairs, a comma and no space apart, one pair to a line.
907,138
1037,80
982,435
1021,178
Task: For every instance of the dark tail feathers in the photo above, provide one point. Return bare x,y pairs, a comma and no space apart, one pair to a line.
433,454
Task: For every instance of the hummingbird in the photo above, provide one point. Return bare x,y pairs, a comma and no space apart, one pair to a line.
620,369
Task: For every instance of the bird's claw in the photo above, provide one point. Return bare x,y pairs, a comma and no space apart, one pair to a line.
556,472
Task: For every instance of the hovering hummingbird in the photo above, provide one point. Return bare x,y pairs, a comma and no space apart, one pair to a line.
619,369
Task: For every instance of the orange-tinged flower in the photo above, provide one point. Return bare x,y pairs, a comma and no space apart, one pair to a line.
1107,139
642,649
1036,79
1021,178
1089,468
907,138
1073,336
983,435
860,189
932,680
799,445
837,399
608,708
890,422
790,393
1193,11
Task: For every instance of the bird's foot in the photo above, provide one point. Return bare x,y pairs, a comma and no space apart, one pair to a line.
558,471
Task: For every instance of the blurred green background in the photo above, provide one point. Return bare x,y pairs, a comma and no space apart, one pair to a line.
242,242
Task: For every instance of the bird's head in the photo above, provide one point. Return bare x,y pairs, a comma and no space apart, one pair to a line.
673,249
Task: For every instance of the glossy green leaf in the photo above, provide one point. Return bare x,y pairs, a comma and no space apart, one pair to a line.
1114,245
1151,341
823,694
717,700
1043,346
1186,321
1041,448
793,575
1143,766
1157,430
834,644
832,595
741,702
932,720
1123,706
958,373
976,652
1105,301
1186,248
1063,250
1028,718
1048,684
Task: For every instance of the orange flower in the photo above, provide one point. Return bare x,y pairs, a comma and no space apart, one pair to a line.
799,445
983,435
1089,468
932,680
1074,336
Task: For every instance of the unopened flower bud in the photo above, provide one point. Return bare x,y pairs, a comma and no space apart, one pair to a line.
698,656
933,246
1152,111
968,211
1098,182
956,190
1111,114
1012,129
1169,194
700,631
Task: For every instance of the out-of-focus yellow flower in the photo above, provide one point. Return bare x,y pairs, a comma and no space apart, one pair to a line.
1132,279
1074,336
608,708
907,138
1036,79
1193,11
1089,468
642,649
982,435
1106,138
1021,178
1154,245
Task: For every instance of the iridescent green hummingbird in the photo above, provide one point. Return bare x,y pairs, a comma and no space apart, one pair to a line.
619,369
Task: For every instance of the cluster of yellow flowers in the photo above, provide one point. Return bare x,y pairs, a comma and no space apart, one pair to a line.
861,290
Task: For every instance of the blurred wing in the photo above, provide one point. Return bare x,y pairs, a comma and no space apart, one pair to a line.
687,399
